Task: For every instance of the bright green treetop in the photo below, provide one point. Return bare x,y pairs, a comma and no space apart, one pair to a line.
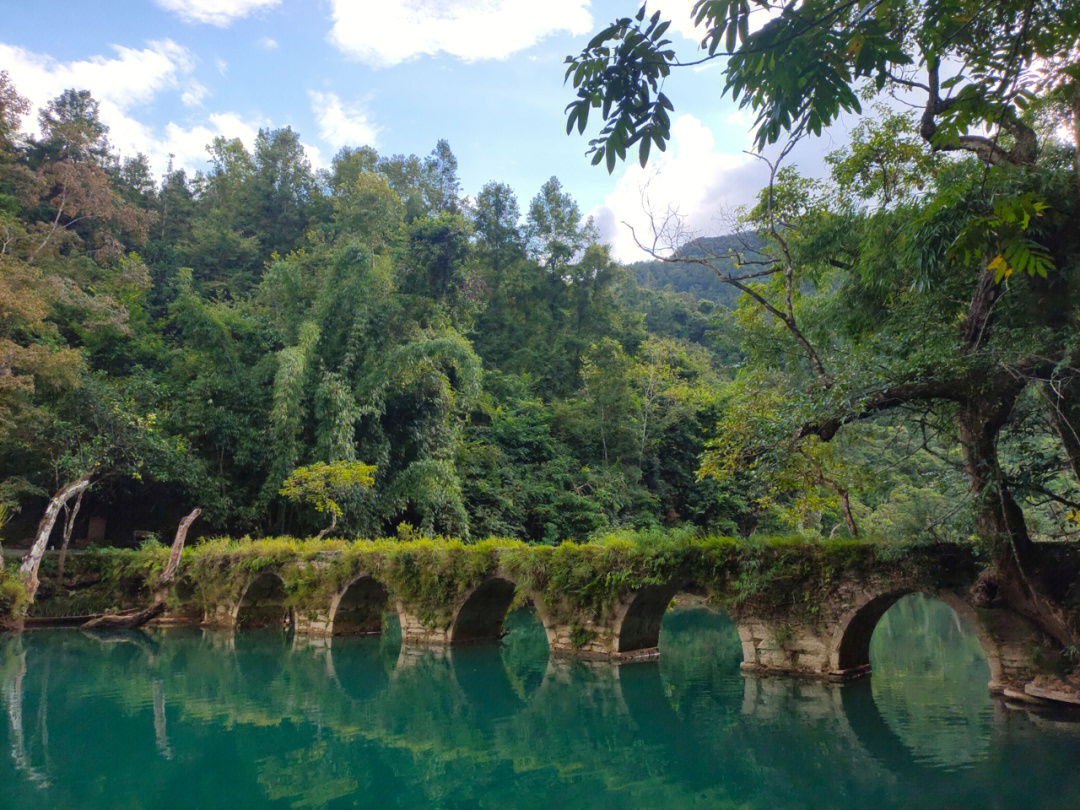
322,485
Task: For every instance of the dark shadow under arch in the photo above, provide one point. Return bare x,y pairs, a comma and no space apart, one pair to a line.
854,652
264,604
639,628
360,610
480,618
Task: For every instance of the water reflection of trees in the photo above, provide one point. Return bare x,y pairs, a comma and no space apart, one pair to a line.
929,682
272,722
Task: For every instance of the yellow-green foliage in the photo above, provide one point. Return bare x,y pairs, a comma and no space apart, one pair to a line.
322,484
13,599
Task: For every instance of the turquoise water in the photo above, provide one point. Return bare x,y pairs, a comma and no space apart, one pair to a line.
197,719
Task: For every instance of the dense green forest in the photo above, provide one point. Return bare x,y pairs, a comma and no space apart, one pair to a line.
926,291
196,339
887,350
192,340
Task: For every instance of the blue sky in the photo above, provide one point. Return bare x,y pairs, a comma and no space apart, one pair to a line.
484,74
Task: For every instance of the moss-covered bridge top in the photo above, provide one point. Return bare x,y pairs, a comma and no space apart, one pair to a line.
430,576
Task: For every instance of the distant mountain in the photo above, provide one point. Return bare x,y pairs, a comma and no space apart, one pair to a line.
693,279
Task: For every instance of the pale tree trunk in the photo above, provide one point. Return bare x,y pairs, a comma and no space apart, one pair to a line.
69,526
161,731
169,575
28,571
137,618
330,528
11,688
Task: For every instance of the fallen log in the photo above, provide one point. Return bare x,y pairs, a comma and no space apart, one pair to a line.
128,618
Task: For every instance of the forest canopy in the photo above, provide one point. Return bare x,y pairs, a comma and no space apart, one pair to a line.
200,338
228,339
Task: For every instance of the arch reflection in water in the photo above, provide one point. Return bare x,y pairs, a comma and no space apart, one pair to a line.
928,670
498,680
265,723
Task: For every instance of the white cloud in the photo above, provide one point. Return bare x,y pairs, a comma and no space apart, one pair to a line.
691,179
741,118
268,44
214,12
133,77
314,155
342,124
193,94
187,145
384,33
130,80
679,13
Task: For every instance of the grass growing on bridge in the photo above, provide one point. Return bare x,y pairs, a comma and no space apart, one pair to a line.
572,578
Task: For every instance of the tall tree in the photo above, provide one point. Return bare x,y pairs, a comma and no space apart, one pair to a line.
495,219
557,236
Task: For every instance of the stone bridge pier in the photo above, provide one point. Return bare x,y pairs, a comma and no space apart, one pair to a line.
835,643
818,629
627,631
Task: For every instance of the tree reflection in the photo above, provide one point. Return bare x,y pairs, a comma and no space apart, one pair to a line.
360,722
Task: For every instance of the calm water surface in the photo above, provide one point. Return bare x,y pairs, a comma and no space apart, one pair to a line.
204,720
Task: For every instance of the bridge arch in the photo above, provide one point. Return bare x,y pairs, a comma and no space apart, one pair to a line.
263,603
357,609
851,655
480,616
639,618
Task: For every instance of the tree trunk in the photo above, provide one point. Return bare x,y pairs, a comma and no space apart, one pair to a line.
168,576
1076,132
28,571
127,618
69,526
330,528
1001,519
137,618
849,518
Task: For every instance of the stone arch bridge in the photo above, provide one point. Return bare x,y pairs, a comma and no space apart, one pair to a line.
800,610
